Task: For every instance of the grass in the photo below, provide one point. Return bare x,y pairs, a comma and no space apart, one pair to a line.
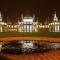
43,34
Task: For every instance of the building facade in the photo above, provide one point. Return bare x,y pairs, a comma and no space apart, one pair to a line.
55,24
28,24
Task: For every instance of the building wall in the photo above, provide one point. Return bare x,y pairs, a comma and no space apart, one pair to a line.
28,24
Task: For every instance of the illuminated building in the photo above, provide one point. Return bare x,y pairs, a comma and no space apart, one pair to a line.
55,24
28,24
1,23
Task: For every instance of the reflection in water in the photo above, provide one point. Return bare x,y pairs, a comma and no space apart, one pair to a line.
28,46
1,44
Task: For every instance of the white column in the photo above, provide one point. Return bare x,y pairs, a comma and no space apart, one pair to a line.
58,28
1,30
55,28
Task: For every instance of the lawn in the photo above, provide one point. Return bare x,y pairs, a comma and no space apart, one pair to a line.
45,34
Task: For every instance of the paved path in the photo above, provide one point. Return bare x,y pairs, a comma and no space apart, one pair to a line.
51,39
51,55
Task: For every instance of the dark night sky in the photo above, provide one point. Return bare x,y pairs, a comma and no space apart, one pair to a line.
14,8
